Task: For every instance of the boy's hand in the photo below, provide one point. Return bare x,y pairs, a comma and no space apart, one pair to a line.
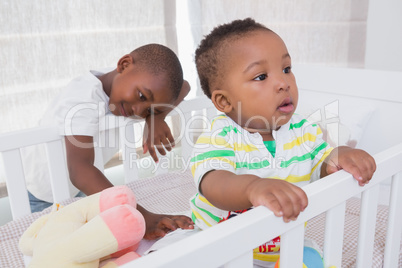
355,161
157,135
158,225
281,197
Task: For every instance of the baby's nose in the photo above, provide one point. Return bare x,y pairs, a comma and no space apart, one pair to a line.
282,83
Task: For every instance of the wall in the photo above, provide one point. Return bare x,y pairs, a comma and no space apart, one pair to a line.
308,27
384,35
329,32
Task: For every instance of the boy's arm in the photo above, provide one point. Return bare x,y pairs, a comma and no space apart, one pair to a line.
161,134
355,161
87,178
80,160
231,192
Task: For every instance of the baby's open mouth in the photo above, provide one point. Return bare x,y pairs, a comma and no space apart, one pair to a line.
286,106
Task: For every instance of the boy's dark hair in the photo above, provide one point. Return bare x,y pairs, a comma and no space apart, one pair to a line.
158,59
208,56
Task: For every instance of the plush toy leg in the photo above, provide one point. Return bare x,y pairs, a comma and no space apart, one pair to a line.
125,251
69,218
311,259
27,240
117,195
111,197
114,229
122,260
87,208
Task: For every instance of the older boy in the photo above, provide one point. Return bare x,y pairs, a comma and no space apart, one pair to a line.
259,152
149,75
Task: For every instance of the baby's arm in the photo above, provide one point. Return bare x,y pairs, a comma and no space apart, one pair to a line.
229,191
161,133
355,161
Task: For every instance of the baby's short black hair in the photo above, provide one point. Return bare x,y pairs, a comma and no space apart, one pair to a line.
209,54
158,59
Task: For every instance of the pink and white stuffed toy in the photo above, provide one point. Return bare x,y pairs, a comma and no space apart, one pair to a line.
96,228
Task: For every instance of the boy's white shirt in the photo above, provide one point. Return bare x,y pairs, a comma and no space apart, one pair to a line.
77,110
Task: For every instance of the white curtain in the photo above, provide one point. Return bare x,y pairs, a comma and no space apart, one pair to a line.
331,32
46,43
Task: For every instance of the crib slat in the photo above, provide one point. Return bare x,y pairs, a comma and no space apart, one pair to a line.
392,245
58,171
243,261
211,112
184,110
334,228
368,213
129,153
292,247
195,104
28,137
186,140
15,181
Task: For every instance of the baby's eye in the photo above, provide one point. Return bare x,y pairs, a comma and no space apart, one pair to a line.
287,70
142,97
260,77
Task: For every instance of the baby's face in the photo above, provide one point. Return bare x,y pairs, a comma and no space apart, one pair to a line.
135,92
259,81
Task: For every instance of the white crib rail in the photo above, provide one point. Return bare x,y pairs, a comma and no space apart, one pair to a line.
10,145
394,231
231,242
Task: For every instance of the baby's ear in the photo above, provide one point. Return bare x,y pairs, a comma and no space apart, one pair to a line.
125,61
221,101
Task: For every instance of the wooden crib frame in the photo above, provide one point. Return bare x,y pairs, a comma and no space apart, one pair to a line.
210,248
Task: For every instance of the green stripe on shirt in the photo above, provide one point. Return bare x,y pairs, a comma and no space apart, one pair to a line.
256,165
302,158
271,147
214,153
297,125
226,130
215,218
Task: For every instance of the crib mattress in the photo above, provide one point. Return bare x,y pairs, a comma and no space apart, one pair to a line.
170,193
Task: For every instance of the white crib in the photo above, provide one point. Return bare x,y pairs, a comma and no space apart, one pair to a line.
215,247
231,243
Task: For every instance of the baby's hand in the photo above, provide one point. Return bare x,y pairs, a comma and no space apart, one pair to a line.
281,197
157,135
355,161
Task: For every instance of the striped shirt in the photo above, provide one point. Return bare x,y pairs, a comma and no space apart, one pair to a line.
299,153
